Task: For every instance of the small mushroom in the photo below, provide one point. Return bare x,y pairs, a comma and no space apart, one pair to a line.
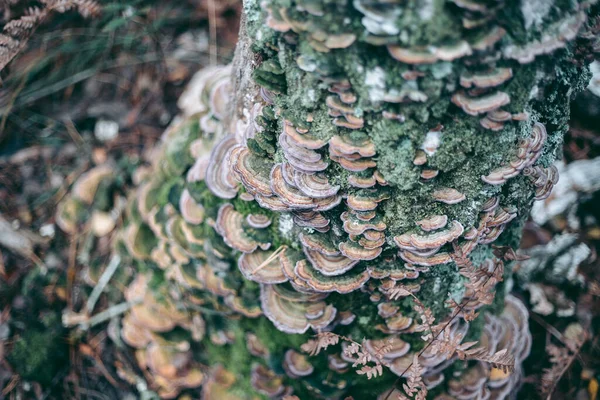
486,79
252,170
387,310
266,382
397,347
258,221
305,140
255,346
296,365
329,265
428,174
480,105
448,196
87,184
315,185
340,41
289,195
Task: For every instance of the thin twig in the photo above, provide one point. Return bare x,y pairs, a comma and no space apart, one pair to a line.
549,328
566,368
272,257
102,282
212,26
110,313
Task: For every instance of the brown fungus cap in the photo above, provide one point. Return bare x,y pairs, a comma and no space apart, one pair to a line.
448,196
355,251
290,310
218,384
258,221
355,226
296,365
480,105
346,145
315,185
255,346
398,347
485,79
219,179
191,211
262,266
289,195
87,184
266,382
253,171
433,223
329,265
431,240
229,225
305,140
344,283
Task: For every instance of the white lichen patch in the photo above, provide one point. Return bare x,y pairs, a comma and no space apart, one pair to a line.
426,9
594,86
567,263
375,83
432,141
378,22
534,11
437,284
286,224
441,70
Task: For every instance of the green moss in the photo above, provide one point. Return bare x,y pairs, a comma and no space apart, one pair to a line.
200,192
40,355
236,359
270,75
520,87
418,29
177,157
396,150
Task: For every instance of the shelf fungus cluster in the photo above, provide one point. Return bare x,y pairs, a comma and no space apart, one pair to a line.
528,152
170,361
91,188
510,331
356,150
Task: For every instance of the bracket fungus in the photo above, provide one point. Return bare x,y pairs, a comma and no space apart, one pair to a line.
295,312
356,149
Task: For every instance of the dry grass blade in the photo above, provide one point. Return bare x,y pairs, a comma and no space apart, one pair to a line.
17,32
501,359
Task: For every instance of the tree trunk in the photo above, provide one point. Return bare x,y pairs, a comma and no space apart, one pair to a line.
364,170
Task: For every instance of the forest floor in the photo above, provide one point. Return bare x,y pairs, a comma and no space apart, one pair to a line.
84,91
